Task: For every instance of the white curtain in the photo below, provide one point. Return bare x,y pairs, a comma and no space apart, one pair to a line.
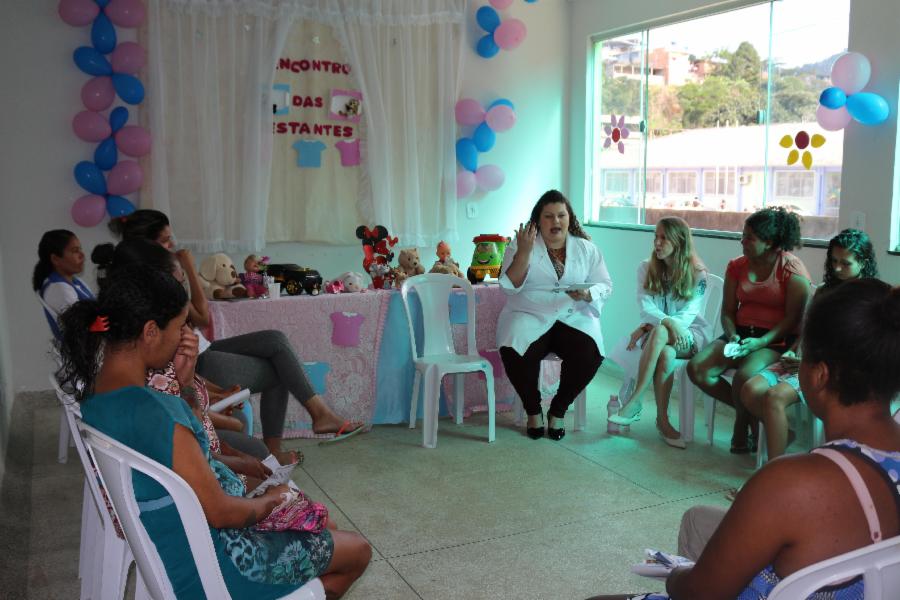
406,57
210,70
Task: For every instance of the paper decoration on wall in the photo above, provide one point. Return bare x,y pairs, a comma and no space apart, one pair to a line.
846,100
345,328
317,373
349,152
309,153
616,132
112,67
346,105
802,140
501,35
499,117
281,99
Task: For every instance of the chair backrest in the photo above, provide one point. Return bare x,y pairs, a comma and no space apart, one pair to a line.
879,564
433,291
712,309
115,462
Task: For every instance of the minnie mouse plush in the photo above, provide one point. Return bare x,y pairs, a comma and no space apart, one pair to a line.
377,254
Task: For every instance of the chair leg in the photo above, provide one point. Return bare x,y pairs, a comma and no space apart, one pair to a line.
686,408
581,410
519,411
492,408
114,566
414,403
431,401
709,406
63,450
459,396
140,588
762,449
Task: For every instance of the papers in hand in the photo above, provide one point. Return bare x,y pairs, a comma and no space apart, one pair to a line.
281,474
575,287
731,349
659,564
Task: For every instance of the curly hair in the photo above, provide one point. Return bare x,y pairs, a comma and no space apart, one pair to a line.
557,197
685,263
776,225
133,296
855,330
53,243
858,243
145,223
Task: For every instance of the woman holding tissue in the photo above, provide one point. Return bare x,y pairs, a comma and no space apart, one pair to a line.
766,289
556,282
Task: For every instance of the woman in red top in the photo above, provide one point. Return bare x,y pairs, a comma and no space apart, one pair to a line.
765,291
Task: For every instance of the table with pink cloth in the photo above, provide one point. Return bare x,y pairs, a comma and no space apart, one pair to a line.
356,350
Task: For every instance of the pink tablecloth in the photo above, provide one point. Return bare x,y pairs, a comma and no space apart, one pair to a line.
341,330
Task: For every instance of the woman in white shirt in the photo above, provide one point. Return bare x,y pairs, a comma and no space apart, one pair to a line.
671,293
60,259
549,311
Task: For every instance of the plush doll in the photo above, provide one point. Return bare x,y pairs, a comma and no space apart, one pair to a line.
445,263
409,262
219,278
377,254
352,282
252,277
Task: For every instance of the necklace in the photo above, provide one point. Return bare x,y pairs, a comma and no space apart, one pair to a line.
557,253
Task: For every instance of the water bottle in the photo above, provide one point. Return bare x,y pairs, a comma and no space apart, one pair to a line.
612,407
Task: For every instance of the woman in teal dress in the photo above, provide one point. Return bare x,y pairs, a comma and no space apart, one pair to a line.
138,323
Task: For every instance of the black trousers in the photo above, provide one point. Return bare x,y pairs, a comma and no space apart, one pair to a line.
580,361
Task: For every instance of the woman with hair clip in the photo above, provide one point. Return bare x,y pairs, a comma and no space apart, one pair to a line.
556,282
765,291
261,361
60,259
768,394
804,509
138,323
671,293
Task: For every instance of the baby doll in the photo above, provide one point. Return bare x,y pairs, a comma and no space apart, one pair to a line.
252,278
445,262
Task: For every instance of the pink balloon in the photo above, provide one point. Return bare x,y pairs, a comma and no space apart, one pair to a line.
469,112
98,93
489,177
89,210
124,178
78,13
501,4
128,57
91,126
133,140
510,34
125,13
500,118
851,72
832,119
465,183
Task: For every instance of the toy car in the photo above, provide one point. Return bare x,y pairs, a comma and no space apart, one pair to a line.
295,279
488,256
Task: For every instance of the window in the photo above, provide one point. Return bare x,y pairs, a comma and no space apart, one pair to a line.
695,112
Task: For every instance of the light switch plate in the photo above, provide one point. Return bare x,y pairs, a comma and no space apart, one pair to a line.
472,210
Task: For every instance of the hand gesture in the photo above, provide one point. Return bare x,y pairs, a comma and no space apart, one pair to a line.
636,336
186,356
253,467
679,333
750,345
525,236
185,258
580,295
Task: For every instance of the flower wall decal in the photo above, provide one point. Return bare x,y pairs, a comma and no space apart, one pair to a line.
616,132
802,141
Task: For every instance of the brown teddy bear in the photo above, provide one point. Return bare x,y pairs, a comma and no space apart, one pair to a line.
409,262
220,279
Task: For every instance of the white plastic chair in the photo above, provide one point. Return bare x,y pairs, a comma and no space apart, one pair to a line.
104,557
802,417
879,564
115,462
438,355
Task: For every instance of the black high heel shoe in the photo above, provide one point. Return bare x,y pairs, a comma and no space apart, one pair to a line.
555,434
536,433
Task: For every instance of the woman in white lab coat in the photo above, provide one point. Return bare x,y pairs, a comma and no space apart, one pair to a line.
549,309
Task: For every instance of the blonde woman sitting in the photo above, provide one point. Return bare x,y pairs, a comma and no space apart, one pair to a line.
671,290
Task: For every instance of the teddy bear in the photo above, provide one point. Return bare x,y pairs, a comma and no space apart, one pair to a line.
219,278
445,263
252,277
409,263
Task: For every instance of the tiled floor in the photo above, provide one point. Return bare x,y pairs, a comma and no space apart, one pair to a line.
513,519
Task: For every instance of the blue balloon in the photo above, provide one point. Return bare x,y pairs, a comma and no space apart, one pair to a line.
487,18
103,34
868,108
833,98
487,47
91,62
467,154
90,177
118,206
129,88
106,155
499,102
117,118
484,138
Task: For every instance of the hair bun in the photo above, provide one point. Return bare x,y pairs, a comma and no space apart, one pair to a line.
103,254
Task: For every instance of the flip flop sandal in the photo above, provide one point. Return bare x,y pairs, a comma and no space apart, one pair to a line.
340,436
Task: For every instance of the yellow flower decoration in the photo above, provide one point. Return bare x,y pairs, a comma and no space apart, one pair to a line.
802,141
